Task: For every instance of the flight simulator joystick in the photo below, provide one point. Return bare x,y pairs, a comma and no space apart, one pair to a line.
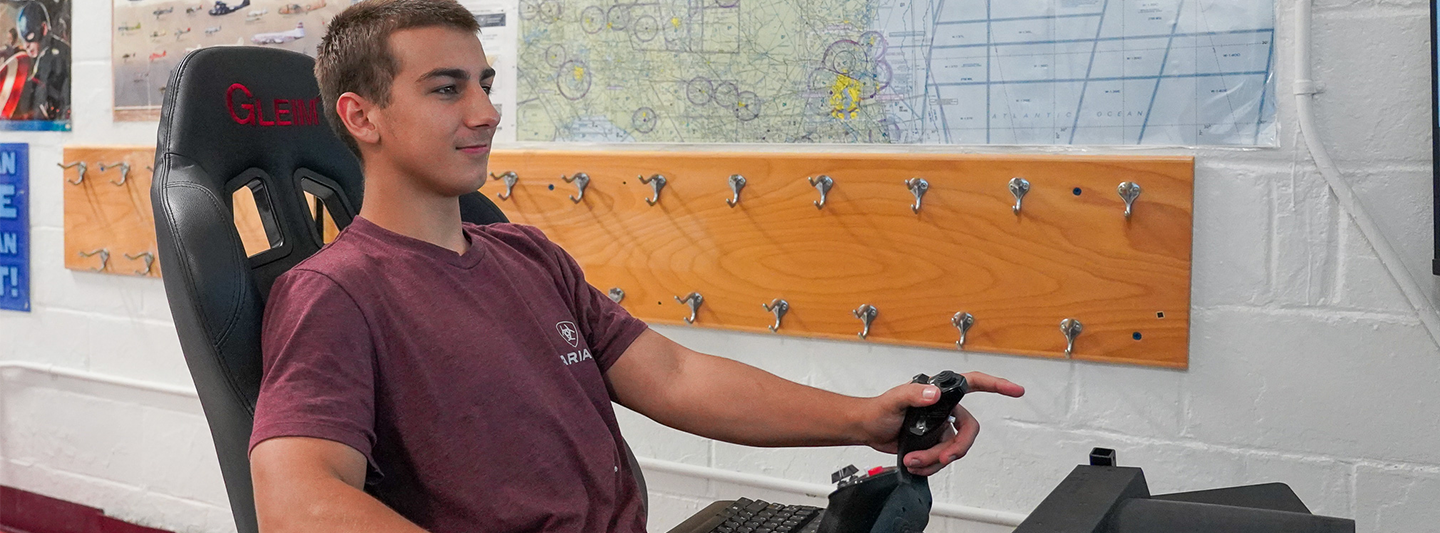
891,499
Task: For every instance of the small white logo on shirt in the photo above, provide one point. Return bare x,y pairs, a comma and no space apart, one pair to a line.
575,357
569,333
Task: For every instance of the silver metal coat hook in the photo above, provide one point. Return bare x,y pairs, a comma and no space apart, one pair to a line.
80,164
823,184
104,258
694,300
917,186
149,261
1071,328
737,184
581,181
124,171
962,321
1129,191
510,178
866,313
656,182
1018,188
779,307
617,294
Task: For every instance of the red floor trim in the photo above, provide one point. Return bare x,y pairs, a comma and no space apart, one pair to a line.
27,512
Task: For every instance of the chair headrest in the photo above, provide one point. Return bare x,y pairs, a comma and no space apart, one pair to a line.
235,115
254,108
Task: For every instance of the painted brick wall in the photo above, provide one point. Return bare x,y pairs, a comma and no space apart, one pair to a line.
1308,366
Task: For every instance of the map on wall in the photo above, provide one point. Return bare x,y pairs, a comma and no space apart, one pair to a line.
150,37
1050,72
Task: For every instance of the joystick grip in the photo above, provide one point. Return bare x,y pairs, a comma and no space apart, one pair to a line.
925,426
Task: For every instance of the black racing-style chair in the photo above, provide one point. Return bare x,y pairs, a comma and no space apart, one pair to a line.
246,117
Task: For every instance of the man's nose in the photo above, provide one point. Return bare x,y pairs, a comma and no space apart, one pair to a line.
482,112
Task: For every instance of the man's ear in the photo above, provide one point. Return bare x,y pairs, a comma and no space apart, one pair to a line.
357,112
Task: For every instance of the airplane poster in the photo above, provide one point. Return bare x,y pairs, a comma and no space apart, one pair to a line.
150,37
35,65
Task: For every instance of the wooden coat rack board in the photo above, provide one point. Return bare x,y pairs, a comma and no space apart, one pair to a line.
109,226
1070,252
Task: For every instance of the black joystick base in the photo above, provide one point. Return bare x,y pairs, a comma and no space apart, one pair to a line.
891,499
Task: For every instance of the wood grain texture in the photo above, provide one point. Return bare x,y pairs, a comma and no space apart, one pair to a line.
102,215
1064,256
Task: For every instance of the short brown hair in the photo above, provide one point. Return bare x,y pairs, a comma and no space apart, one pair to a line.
354,56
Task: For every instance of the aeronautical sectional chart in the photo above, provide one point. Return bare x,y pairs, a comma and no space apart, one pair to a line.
1107,72
150,37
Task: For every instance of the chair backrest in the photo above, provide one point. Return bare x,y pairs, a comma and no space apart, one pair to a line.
244,117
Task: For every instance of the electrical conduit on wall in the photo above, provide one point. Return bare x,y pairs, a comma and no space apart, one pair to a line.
1305,91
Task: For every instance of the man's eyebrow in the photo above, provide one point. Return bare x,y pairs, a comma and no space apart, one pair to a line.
487,74
455,73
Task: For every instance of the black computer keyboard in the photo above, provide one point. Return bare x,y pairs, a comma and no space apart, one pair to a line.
752,516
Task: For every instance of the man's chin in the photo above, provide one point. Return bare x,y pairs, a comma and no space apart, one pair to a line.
474,183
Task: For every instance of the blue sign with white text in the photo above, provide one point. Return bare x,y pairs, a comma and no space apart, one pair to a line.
15,227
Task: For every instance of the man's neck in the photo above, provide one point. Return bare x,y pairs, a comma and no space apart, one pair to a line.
396,204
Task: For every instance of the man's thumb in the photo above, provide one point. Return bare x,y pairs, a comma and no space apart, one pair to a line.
920,395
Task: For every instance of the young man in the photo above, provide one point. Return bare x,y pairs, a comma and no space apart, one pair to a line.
412,370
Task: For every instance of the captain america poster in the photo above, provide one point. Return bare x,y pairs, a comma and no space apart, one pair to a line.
35,65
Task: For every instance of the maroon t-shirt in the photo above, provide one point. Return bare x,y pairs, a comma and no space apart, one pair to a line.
472,383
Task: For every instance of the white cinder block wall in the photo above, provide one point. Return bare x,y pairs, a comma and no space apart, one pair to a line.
1308,366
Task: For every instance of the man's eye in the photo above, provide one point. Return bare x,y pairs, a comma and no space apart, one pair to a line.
448,89
486,88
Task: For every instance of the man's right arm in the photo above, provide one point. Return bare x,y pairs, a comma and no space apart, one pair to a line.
305,484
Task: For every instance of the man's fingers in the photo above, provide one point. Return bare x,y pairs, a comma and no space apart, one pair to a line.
956,444
968,429
982,382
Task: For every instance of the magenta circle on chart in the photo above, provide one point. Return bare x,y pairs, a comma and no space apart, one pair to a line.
551,9
555,55
747,106
699,91
573,79
592,19
618,17
646,28
644,120
726,93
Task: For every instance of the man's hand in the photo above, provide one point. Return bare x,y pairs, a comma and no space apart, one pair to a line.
883,427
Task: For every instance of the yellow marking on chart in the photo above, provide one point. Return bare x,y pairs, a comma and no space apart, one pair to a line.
845,97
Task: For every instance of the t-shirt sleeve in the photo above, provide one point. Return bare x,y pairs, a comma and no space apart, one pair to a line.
319,366
608,328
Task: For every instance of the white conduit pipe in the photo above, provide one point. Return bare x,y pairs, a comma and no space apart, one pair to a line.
750,480
100,378
1305,91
